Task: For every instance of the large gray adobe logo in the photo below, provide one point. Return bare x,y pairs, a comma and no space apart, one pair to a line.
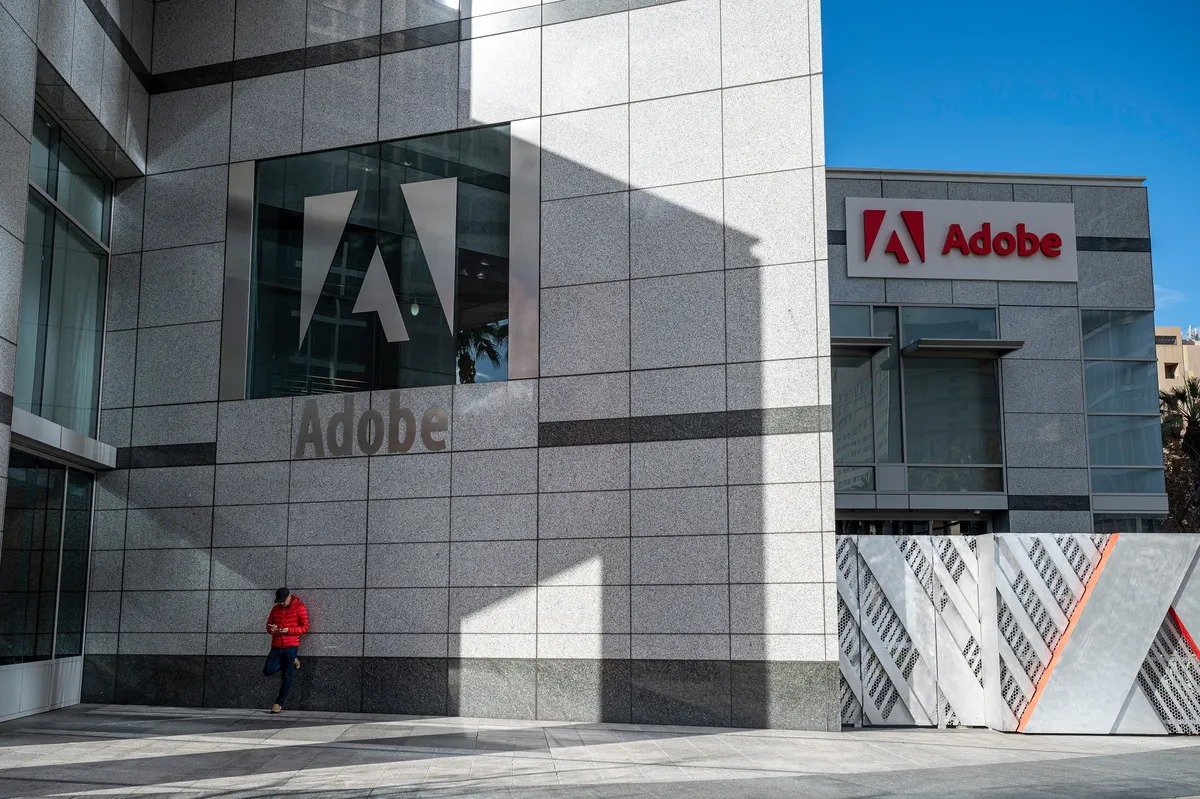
433,206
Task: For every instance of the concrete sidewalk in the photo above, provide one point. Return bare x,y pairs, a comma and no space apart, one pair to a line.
138,751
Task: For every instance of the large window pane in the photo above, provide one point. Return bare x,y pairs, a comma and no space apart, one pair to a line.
1125,441
889,432
854,478
952,411
957,478
345,347
853,409
948,322
850,320
72,596
29,562
1118,334
1128,481
1121,386
83,192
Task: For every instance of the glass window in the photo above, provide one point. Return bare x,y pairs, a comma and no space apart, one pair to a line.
1133,523
1121,386
948,322
445,332
61,321
956,478
59,169
1125,441
853,409
854,478
889,432
952,411
76,542
850,320
1118,334
1108,480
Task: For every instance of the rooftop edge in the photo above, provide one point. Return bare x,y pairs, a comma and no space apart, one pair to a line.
859,173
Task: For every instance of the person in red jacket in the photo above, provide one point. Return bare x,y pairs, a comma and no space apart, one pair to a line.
287,621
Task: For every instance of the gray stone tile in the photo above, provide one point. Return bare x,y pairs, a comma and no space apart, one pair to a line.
585,240
493,610
401,15
14,172
775,558
677,320
603,396
254,430
107,569
659,156
494,518
25,12
771,313
116,427
763,41
583,561
680,560
269,26
341,104
575,609
166,570
418,91
192,33
1049,521
108,530
239,526
160,353
583,690
137,127
157,425
18,61
408,520
342,20
775,648
584,514
326,566
408,565
1111,211
493,688
679,464
768,127
406,647
784,508
680,648
997,192
498,415
590,468
249,569
167,528
336,611
512,471
328,480
1036,193
124,282
975,292
408,610
1116,280
99,644
773,384
189,128
184,208
500,78
1047,332
585,64
847,289
171,487
676,229
675,49
238,611
585,152
698,389
159,645
327,523
435,400
1043,294
55,27
585,329
769,695
104,612
916,189
252,483
1048,481
1045,440
128,208
915,292
767,220
164,611
267,116
493,563
336,421
680,511
791,458
674,609
410,476
1042,386
112,490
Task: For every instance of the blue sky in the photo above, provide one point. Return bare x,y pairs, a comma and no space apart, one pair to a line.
1107,87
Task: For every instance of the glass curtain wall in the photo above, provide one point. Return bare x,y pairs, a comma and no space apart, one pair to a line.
44,561
1121,387
938,416
61,321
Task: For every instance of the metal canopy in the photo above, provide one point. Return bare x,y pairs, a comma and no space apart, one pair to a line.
981,348
859,345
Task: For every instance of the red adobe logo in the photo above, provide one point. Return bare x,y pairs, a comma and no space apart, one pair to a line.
914,223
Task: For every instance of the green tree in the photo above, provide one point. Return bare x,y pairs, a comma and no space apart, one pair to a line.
481,341
1180,410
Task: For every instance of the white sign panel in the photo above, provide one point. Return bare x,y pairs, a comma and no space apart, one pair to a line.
960,240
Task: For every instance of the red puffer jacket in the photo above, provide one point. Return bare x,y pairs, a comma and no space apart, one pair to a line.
293,618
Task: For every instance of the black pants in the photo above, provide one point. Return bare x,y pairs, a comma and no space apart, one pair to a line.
281,659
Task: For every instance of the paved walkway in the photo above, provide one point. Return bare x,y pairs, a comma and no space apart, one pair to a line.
128,751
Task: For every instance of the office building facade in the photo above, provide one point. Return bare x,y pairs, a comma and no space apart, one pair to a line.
533,346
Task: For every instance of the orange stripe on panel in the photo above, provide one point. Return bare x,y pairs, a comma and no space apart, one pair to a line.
1191,642
1062,642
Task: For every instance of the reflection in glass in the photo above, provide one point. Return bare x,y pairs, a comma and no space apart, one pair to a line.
1125,441
60,170
854,478
948,322
72,594
29,562
1121,386
956,478
953,411
1118,334
1128,481
849,320
889,432
347,351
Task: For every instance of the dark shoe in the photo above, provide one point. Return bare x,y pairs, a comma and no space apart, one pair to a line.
296,664
276,709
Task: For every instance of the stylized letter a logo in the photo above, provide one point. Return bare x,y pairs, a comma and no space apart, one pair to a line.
433,206
914,223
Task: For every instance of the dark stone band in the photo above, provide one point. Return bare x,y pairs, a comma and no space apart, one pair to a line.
717,693
688,426
202,454
1049,502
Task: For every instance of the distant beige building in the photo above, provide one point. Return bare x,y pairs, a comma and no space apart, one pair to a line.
1178,357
